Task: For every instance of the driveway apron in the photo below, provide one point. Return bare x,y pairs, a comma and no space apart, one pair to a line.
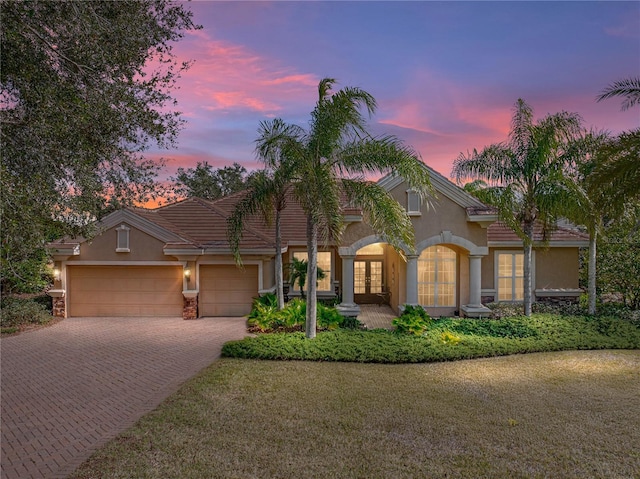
68,389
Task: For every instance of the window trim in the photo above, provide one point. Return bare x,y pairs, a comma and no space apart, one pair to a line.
413,193
321,292
496,276
435,283
122,232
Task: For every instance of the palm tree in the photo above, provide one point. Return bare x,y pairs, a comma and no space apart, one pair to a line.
266,194
332,161
628,88
298,274
585,202
525,175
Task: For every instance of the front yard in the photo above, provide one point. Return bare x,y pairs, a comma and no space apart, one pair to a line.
571,414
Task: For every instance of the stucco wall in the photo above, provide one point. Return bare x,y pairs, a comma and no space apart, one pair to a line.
557,268
143,247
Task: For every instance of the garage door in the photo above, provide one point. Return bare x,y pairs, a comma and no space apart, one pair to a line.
125,290
226,290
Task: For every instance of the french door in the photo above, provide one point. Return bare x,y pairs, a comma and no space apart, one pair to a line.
367,281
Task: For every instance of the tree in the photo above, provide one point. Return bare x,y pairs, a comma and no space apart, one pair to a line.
204,181
267,195
619,256
86,88
526,175
298,274
628,88
618,167
331,161
585,203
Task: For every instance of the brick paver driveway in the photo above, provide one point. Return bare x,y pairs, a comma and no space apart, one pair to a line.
69,388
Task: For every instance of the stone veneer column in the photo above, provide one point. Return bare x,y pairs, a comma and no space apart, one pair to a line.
412,279
475,281
59,308
190,307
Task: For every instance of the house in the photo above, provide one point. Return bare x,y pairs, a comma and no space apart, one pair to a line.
175,260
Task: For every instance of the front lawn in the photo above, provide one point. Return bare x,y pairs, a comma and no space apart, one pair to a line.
571,414
446,339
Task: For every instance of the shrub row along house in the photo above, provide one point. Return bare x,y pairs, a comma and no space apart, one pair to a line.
176,261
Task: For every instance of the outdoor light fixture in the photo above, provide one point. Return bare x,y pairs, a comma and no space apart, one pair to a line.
187,274
56,274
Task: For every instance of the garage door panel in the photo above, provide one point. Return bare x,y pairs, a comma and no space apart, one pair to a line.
125,291
226,290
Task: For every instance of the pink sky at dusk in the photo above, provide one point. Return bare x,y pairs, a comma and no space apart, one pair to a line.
445,74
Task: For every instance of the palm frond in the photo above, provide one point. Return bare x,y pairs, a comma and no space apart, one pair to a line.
629,88
383,212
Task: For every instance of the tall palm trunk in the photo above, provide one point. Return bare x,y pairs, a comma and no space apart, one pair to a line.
279,280
312,274
592,272
528,247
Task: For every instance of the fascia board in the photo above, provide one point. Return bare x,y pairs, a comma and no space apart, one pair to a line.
551,244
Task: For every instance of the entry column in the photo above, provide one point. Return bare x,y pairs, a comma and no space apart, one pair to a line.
475,308
412,279
348,307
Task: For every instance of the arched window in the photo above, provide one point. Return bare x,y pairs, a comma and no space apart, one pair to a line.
437,277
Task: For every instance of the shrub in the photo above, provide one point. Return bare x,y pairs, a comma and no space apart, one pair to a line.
413,320
16,312
263,317
329,318
294,314
351,322
551,333
498,328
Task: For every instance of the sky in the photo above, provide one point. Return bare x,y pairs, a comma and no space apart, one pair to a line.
445,74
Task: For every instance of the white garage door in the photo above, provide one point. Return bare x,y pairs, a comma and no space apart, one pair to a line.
226,290
124,290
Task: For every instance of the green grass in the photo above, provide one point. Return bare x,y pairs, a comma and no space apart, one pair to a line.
472,339
571,414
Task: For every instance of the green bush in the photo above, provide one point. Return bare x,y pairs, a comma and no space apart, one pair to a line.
413,320
444,341
265,317
16,312
517,327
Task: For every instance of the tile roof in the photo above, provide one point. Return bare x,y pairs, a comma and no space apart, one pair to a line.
498,232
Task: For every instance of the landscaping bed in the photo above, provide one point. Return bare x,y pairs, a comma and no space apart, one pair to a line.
445,340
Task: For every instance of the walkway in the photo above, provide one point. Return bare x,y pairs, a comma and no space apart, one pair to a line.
69,388
374,316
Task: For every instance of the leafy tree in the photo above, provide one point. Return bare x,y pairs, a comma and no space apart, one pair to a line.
86,88
619,256
331,161
204,181
526,175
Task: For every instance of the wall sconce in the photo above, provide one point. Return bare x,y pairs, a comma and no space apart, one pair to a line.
56,274
187,274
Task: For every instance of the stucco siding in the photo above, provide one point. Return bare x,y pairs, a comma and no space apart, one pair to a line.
142,246
557,268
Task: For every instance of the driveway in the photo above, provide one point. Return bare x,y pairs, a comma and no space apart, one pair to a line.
69,388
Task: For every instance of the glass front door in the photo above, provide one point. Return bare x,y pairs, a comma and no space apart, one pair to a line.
368,281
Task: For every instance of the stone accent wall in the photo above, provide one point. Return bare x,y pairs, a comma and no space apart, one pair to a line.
486,299
557,299
59,310
190,308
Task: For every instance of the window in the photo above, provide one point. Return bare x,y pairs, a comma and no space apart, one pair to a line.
437,277
414,203
510,272
324,262
122,244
